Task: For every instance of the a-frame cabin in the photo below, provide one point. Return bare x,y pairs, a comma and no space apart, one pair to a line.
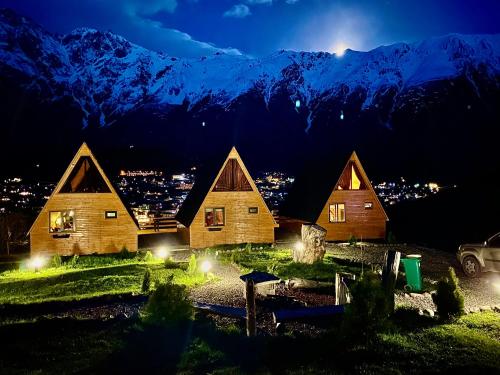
225,207
84,214
349,208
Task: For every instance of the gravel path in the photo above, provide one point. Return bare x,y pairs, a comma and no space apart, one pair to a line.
227,290
478,292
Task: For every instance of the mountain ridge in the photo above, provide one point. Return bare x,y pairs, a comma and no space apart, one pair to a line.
107,76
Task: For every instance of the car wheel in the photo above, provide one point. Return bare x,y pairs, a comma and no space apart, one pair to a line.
471,266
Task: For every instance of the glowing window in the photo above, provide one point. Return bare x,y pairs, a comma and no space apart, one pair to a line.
61,221
368,205
111,215
253,210
214,217
337,213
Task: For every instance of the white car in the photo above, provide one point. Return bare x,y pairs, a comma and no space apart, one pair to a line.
477,258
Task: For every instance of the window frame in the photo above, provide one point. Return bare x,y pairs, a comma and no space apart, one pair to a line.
111,217
72,230
253,210
368,205
336,213
213,209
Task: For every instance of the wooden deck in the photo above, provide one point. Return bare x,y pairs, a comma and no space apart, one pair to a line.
158,226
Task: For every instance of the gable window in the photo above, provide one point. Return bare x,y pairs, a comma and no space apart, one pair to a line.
215,217
368,205
253,210
111,214
85,178
61,221
337,213
232,178
351,178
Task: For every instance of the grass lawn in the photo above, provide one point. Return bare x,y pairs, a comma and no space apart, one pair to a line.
413,345
89,276
279,262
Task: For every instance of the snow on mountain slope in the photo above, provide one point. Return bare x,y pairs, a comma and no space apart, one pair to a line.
108,76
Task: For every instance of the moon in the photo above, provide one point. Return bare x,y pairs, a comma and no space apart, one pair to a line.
339,48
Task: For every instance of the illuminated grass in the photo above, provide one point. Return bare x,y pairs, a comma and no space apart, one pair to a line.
65,284
280,263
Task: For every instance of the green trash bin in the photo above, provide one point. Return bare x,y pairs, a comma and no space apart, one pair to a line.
412,269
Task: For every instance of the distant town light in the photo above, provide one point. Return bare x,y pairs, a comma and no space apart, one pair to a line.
297,104
203,123
341,115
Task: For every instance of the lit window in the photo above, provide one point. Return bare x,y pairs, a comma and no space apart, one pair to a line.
337,213
214,217
111,215
253,210
61,221
368,205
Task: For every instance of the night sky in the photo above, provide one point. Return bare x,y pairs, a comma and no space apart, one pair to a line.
259,27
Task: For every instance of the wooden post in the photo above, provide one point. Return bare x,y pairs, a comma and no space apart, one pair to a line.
390,274
250,307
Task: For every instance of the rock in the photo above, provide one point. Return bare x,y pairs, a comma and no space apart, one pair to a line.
497,308
427,295
474,310
312,248
420,312
485,308
416,295
407,295
429,312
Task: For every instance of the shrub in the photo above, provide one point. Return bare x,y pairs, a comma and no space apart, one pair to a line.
193,265
56,261
146,281
369,309
73,262
449,298
168,305
125,254
353,240
170,264
391,238
148,257
248,247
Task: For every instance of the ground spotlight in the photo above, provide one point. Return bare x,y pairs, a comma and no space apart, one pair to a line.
36,263
161,252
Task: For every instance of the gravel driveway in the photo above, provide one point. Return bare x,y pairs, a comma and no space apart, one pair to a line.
478,292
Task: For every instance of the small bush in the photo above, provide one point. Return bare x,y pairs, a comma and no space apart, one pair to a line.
168,305
73,261
146,281
148,257
353,240
449,298
193,265
369,309
248,247
56,261
125,254
170,264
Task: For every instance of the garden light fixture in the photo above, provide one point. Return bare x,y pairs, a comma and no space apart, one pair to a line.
36,263
161,252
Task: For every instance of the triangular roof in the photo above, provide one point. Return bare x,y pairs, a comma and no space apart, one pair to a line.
205,182
313,188
84,152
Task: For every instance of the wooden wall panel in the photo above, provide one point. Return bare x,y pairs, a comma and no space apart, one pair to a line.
360,222
240,226
93,232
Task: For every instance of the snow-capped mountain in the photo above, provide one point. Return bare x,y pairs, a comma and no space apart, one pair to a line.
421,108
107,77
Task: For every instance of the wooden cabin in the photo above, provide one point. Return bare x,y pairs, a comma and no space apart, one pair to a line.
84,214
225,207
347,208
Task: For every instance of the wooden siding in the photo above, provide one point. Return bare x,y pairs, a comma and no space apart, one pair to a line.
240,226
93,232
359,222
